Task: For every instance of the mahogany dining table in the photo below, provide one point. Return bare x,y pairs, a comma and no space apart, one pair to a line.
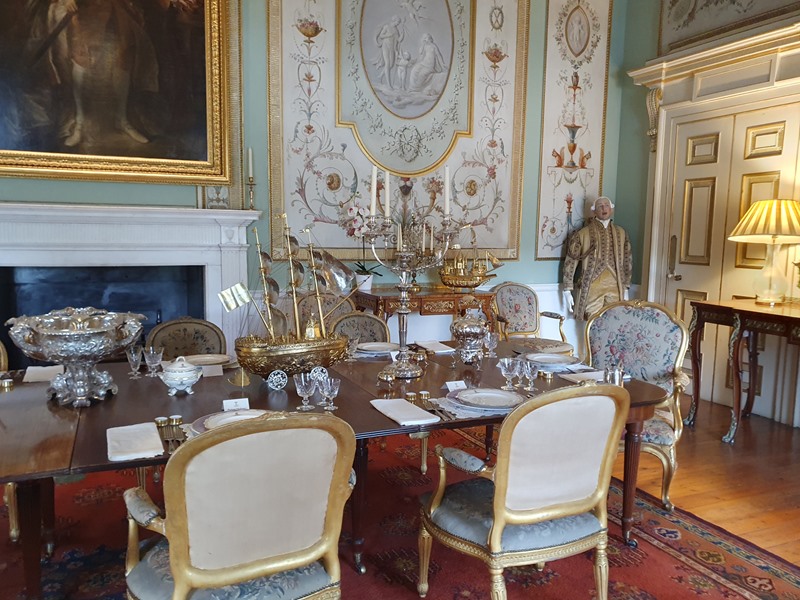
42,440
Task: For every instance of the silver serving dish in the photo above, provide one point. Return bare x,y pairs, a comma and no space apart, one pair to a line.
469,332
77,338
180,375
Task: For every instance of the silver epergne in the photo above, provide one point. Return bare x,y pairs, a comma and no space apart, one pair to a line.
77,338
412,256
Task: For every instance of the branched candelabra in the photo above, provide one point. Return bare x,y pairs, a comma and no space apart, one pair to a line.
418,247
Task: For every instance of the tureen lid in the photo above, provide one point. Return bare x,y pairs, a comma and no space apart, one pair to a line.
181,365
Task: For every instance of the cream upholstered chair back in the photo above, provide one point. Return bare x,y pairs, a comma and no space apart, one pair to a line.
186,336
258,497
365,326
333,307
648,340
541,473
3,358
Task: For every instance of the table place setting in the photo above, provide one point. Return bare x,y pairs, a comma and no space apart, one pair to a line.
131,442
435,346
42,374
403,412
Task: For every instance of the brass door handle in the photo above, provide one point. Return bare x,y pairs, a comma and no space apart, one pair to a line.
673,252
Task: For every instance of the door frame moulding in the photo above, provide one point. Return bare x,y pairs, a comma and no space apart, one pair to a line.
741,76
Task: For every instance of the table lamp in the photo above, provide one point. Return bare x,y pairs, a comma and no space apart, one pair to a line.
770,222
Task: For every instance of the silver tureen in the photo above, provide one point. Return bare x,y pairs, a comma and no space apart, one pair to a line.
77,338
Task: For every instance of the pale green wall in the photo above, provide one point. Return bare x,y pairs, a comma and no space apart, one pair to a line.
634,35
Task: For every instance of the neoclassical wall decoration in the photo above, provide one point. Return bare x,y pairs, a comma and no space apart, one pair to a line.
122,91
573,121
411,87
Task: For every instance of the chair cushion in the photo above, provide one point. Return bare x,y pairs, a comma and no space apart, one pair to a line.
657,431
466,512
151,579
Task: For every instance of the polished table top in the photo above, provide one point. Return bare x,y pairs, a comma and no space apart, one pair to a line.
42,439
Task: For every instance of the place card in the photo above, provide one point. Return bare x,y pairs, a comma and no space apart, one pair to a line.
455,385
212,370
35,374
235,404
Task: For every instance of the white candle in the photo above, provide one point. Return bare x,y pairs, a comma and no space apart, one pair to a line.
399,237
446,190
387,208
250,163
423,238
373,191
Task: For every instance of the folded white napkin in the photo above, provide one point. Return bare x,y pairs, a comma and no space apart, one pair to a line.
212,370
34,374
434,346
134,441
585,376
403,412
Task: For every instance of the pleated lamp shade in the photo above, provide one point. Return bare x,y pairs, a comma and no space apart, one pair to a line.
769,222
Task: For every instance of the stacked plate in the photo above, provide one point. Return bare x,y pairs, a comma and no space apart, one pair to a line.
374,349
555,363
209,422
486,399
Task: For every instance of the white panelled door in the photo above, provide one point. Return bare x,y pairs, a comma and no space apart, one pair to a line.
720,166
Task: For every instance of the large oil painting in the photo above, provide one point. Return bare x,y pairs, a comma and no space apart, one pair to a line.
413,87
113,89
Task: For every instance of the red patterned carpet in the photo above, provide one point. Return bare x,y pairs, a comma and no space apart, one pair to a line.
679,556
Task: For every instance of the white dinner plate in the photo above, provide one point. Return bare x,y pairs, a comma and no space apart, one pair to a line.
375,347
489,399
208,359
208,422
552,362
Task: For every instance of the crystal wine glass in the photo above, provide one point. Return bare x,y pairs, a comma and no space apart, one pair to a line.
529,370
152,358
134,355
490,340
305,385
509,367
329,388
352,346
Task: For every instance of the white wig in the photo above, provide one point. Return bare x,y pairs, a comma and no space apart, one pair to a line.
601,198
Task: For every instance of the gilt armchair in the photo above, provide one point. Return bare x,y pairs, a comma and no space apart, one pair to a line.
516,309
545,497
333,307
365,326
10,489
186,336
236,527
649,342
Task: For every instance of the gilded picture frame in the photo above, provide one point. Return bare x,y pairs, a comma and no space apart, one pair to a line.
115,90
320,159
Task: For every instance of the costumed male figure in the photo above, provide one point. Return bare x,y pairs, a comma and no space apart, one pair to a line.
603,252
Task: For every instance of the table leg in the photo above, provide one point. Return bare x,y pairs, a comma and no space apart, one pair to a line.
358,503
29,499
752,357
633,446
48,503
696,327
488,440
735,362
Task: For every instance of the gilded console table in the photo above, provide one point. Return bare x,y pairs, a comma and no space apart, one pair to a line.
384,301
740,316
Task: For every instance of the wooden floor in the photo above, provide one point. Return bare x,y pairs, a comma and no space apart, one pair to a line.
750,488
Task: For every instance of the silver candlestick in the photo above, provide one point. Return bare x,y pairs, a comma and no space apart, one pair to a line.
412,256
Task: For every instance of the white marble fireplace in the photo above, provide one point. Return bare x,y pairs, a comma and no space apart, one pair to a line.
55,235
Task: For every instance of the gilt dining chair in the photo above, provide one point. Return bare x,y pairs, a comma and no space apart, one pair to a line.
333,307
235,528
365,326
10,489
186,336
545,497
649,342
516,310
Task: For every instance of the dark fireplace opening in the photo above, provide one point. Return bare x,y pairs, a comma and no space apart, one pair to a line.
159,293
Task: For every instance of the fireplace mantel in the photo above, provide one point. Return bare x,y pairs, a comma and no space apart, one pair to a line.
59,235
